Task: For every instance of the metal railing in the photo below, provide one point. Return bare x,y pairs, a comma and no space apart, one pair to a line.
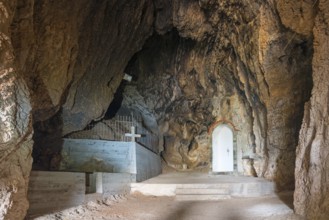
115,130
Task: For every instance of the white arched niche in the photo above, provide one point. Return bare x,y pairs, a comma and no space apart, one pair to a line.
222,149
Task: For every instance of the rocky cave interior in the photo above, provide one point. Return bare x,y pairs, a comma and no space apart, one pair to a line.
260,65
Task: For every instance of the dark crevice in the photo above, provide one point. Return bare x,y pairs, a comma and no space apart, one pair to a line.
47,138
116,102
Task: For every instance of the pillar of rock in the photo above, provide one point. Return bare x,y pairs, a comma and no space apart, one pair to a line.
311,197
15,126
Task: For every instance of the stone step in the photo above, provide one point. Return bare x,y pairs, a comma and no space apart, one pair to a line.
201,197
202,191
195,184
204,186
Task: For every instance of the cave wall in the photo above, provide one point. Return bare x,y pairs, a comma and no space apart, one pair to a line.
184,89
285,72
247,62
72,56
228,61
62,63
103,56
15,125
311,198
71,52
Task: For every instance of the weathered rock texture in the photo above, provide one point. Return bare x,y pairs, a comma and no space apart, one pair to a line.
113,32
45,38
247,63
312,164
212,61
229,61
15,126
72,55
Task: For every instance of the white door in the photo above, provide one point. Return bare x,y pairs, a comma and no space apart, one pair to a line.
222,149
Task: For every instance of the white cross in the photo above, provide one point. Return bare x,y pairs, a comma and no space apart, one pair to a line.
133,135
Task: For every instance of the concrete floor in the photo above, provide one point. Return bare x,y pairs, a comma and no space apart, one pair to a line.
198,177
274,206
138,207
238,186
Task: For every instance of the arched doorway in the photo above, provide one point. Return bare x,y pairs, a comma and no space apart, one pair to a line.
222,149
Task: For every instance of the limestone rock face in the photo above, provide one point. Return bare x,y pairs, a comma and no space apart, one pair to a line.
311,197
113,32
190,20
15,126
244,63
45,37
297,15
234,62
212,61
73,54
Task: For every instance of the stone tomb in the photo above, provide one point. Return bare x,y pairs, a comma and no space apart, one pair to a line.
90,166
83,155
120,163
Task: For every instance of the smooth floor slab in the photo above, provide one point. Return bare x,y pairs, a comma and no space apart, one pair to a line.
138,207
171,183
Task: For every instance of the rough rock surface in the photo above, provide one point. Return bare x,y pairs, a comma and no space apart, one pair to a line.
227,61
248,63
73,54
15,126
113,32
212,60
245,63
45,38
312,166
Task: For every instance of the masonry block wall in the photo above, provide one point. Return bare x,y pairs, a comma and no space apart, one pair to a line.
83,155
54,191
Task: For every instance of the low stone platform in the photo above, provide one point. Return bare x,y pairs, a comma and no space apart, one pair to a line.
204,186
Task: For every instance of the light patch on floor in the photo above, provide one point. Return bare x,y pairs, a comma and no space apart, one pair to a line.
268,209
139,207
